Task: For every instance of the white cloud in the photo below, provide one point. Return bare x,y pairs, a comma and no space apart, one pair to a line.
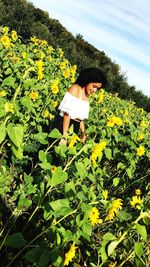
135,76
112,26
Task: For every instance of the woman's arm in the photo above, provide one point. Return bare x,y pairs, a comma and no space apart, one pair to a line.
82,129
66,124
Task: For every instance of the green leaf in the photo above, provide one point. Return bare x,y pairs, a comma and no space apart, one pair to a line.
9,81
58,177
15,241
120,165
81,169
124,216
138,248
106,239
15,133
112,246
18,152
141,229
67,235
40,137
58,204
24,202
33,255
86,230
44,259
108,153
45,166
42,156
8,71
116,181
72,151
139,262
129,172
26,102
61,150
70,190
28,83
55,134
2,133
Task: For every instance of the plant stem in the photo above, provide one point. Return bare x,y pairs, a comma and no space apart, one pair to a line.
69,163
129,257
34,239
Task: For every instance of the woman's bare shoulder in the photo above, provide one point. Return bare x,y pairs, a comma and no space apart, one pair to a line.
73,90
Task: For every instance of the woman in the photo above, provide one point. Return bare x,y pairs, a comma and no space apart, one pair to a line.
74,107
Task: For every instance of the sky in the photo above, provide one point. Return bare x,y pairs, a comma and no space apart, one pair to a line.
119,28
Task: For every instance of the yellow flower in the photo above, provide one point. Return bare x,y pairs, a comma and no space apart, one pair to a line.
24,55
63,65
14,35
118,121
50,49
97,151
34,40
141,137
55,104
53,169
3,93
5,41
61,53
73,80
66,73
50,58
45,113
101,96
6,30
140,151
94,216
110,122
9,107
141,110
70,254
126,112
73,72
112,264
136,202
42,55
105,194
111,215
138,192
44,42
40,64
55,88
51,116
34,95
73,140
114,120
104,110
40,75
113,211
143,124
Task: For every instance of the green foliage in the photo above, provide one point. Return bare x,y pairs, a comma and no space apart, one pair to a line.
93,207
29,21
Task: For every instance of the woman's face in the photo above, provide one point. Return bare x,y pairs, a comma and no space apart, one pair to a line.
91,88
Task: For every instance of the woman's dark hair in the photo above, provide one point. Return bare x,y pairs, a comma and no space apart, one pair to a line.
90,75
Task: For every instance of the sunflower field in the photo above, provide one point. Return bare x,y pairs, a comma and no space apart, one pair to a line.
93,209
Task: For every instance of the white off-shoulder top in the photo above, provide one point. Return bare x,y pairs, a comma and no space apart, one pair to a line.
75,107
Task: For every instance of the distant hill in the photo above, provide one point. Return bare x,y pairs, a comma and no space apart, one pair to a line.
28,21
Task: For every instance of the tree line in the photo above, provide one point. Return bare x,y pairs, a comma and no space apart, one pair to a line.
27,20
